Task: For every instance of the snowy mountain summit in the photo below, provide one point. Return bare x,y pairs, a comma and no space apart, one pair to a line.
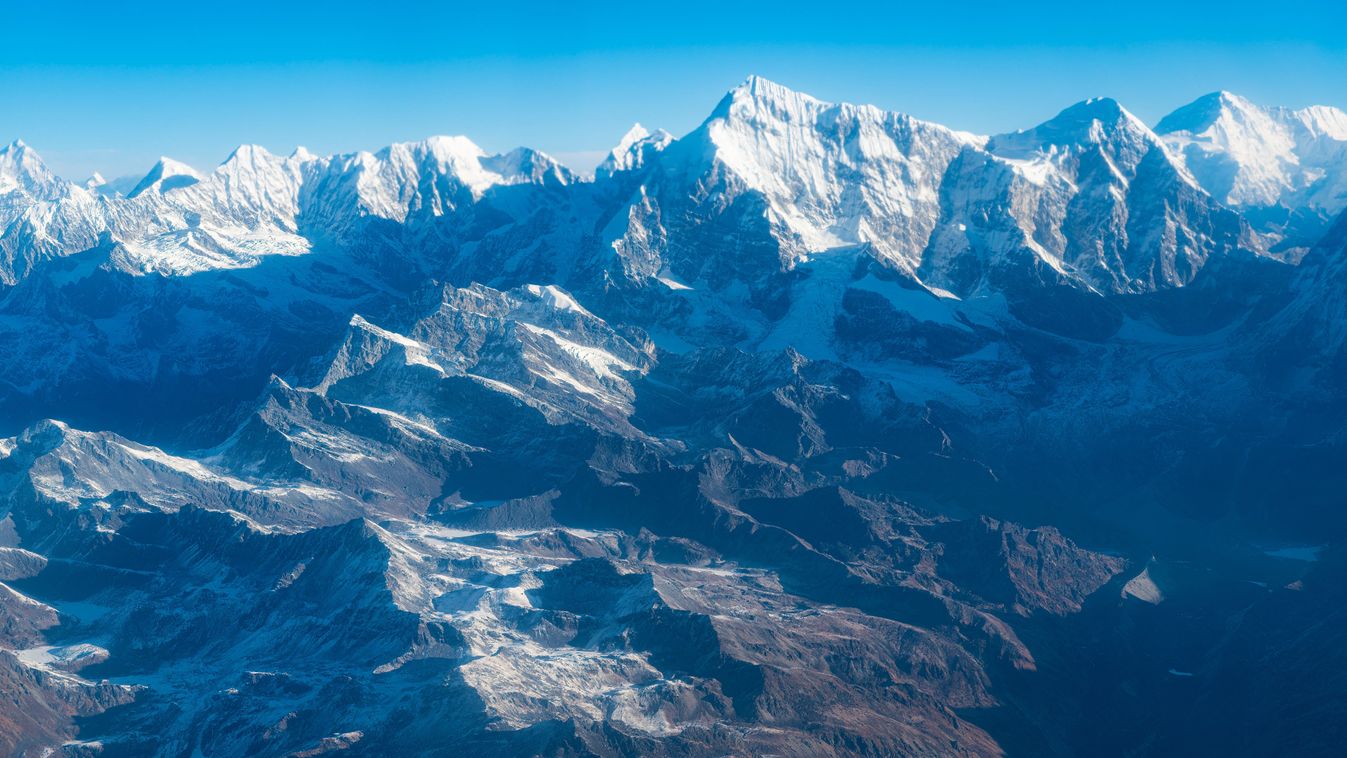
1254,157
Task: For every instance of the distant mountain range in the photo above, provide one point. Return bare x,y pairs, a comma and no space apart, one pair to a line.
818,430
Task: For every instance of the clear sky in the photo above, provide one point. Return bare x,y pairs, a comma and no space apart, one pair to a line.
108,87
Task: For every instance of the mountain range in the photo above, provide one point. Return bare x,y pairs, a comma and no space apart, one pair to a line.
819,430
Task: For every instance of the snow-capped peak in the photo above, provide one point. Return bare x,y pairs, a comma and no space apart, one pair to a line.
1098,121
556,298
833,175
22,169
448,151
166,175
250,154
635,134
524,164
632,151
759,100
1248,155
1206,111
758,89
455,156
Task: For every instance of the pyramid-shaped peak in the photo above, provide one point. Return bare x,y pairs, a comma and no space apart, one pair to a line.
638,134
1103,109
1098,120
631,151
635,134
167,174
1205,111
171,167
19,152
22,168
249,153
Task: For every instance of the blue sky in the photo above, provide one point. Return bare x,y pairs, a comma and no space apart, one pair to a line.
100,86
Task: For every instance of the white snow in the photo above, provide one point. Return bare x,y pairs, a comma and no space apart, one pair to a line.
920,305
672,282
1249,155
601,362
633,150
183,465
417,353
1142,587
836,176
558,298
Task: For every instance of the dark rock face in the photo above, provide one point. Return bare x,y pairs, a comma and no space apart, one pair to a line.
820,431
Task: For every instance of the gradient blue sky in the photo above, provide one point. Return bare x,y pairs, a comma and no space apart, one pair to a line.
99,86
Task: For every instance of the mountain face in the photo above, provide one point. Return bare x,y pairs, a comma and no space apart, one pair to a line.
1090,199
1286,168
819,430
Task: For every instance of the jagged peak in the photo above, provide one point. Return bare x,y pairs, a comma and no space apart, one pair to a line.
760,88
359,323
43,436
463,159
633,135
51,423
17,149
630,151
456,156
757,96
638,135
21,166
555,297
758,100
